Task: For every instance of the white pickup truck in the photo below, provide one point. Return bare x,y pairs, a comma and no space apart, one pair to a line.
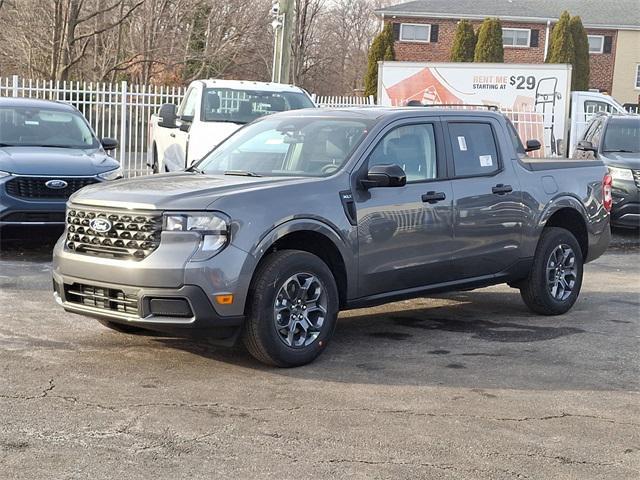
210,111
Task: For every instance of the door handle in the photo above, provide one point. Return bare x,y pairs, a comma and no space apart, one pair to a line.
172,135
433,197
501,189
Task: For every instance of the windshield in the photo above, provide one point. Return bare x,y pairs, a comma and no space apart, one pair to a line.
244,106
622,135
301,146
42,127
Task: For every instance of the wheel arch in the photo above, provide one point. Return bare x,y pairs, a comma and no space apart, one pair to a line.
317,238
569,214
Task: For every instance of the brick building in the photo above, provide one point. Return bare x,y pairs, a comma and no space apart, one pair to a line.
424,31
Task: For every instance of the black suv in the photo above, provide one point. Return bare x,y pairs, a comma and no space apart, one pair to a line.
615,139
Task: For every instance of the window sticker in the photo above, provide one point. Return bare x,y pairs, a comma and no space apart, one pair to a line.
462,143
486,161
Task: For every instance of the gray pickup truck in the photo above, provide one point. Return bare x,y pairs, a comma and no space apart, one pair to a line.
302,214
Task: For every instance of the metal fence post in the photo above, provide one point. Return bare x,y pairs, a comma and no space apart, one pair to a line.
16,81
123,124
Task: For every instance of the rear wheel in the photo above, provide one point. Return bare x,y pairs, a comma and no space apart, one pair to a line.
555,279
292,311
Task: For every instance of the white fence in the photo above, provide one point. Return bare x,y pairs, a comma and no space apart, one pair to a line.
117,110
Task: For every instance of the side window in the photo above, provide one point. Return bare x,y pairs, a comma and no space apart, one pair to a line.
474,149
413,147
593,106
188,107
596,134
588,134
515,139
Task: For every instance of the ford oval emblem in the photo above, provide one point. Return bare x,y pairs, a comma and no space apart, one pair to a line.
100,225
56,184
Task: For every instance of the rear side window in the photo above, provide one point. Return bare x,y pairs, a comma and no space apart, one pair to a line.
474,149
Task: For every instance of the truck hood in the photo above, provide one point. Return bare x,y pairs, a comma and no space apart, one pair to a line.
55,161
172,191
622,160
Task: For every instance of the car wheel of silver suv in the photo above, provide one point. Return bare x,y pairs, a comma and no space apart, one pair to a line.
293,308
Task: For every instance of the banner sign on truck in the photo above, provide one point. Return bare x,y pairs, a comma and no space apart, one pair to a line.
535,97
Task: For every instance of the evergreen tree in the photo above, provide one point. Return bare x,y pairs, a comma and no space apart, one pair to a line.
381,49
561,47
464,43
489,47
580,75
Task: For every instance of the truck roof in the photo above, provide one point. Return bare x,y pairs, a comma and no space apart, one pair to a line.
35,103
249,85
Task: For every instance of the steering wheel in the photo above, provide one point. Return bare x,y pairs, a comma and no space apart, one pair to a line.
330,168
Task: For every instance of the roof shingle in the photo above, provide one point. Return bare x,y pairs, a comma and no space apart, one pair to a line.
621,14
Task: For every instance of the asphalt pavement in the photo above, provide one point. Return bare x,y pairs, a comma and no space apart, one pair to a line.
462,386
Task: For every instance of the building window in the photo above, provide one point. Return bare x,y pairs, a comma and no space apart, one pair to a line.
516,37
415,32
596,43
638,76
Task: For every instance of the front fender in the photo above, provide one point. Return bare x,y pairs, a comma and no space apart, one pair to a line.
341,240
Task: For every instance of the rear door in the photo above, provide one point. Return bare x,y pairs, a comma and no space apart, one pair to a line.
404,233
488,208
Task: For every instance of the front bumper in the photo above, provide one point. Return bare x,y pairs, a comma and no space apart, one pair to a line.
106,299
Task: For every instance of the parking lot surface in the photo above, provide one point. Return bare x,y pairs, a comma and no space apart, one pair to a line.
463,386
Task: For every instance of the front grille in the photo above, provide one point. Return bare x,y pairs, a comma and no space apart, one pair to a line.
103,298
35,187
129,236
35,217
636,177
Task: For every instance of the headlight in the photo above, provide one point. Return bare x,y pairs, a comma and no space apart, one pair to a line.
620,173
212,226
4,174
111,174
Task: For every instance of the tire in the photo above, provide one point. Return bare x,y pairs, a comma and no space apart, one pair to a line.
273,309
122,328
551,268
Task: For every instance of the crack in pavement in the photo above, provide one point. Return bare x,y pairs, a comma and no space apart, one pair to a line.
217,405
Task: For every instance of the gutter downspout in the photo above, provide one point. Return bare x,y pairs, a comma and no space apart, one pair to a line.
546,40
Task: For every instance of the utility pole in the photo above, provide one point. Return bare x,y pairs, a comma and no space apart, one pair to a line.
282,12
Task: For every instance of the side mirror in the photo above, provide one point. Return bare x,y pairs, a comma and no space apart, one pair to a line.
586,146
532,146
167,116
384,176
109,144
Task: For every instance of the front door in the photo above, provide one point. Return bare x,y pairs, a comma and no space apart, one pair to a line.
176,156
488,208
404,232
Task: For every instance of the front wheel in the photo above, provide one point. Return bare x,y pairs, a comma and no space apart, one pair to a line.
555,279
293,309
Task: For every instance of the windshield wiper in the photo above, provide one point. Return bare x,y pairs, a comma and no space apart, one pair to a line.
242,173
222,120
195,169
621,150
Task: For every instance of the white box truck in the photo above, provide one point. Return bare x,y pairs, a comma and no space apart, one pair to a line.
537,97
